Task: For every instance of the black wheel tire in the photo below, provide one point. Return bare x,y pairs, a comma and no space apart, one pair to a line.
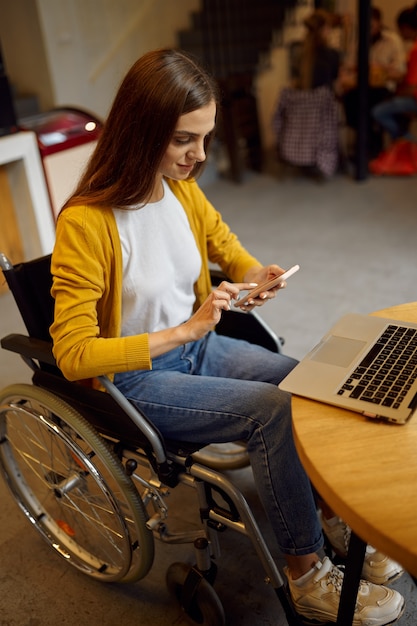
35,424
206,608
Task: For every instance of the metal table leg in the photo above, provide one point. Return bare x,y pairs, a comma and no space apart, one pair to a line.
354,564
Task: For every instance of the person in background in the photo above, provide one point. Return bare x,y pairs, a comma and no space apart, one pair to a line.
317,62
133,299
306,117
387,65
394,115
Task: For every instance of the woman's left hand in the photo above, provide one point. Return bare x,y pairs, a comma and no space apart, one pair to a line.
260,275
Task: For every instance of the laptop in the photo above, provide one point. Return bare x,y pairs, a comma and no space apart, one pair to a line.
364,363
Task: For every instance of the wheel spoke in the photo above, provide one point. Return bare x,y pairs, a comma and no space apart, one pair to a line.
72,487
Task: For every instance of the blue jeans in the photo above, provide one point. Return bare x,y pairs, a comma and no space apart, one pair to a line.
391,115
218,390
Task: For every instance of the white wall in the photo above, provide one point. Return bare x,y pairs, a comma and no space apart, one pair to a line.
75,52
390,10
91,45
23,50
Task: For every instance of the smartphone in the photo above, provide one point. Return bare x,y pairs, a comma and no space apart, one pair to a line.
269,284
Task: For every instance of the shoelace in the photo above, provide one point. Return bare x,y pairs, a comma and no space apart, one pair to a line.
335,578
346,536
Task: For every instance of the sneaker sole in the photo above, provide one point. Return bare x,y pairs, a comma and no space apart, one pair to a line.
386,581
317,622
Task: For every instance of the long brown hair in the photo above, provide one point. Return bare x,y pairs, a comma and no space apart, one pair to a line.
160,87
313,41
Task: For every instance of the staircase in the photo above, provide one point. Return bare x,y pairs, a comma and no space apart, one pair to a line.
231,37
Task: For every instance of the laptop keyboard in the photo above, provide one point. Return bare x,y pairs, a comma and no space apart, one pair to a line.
388,371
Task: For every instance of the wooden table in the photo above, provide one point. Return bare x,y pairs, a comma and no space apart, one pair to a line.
365,470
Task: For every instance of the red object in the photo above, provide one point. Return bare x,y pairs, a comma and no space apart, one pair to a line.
61,129
399,160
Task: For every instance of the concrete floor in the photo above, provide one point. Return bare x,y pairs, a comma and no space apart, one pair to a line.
355,243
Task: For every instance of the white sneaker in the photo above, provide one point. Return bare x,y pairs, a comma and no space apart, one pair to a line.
316,597
377,568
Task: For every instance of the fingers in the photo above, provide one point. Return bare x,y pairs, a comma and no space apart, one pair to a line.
263,297
226,292
222,299
233,289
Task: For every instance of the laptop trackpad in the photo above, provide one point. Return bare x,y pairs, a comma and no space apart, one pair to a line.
339,351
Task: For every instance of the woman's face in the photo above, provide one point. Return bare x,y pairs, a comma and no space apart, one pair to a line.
186,147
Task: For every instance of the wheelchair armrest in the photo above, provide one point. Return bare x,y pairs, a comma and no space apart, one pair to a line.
29,348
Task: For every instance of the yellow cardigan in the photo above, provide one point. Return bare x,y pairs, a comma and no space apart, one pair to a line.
87,283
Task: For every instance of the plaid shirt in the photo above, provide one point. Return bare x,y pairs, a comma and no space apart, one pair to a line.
306,127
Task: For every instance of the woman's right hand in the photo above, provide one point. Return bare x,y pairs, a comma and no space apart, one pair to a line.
201,322
210,312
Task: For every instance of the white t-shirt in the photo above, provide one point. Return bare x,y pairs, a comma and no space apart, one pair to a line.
389,51
161,263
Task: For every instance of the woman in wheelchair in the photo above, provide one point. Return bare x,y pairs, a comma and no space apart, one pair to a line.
133,299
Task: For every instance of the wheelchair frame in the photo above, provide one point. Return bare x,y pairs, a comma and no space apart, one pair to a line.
92,475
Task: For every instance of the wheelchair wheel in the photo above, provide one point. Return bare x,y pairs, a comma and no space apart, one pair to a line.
223,456
205,608
72,487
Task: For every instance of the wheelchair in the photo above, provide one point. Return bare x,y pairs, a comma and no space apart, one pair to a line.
92,474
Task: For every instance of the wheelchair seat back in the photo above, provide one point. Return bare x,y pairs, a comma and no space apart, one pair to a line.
30,283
